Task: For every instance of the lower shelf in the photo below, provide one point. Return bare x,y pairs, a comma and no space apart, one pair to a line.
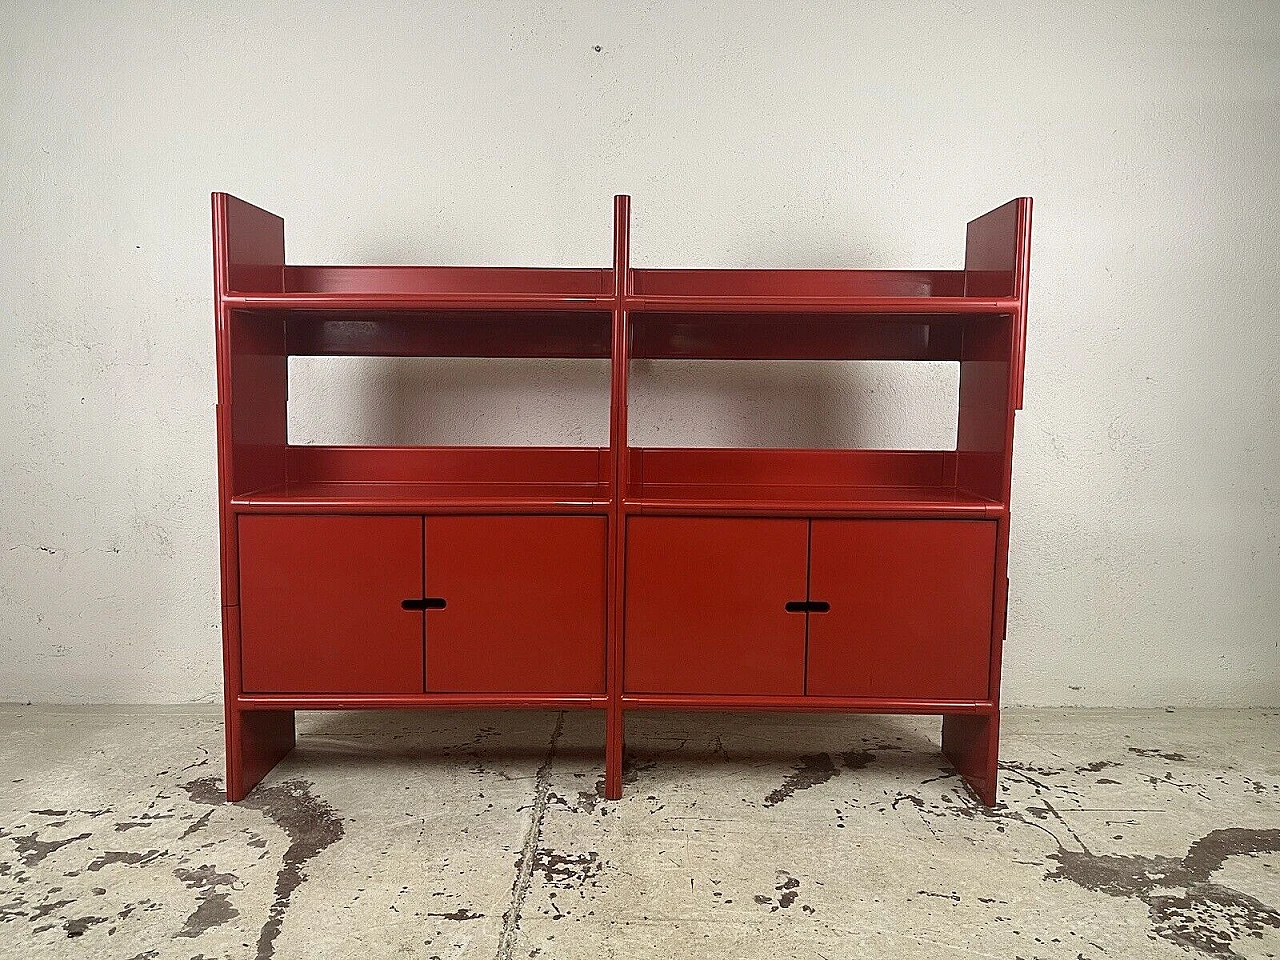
420,701
630,701
801,704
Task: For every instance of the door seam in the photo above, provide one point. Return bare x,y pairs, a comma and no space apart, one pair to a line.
423,527
808,581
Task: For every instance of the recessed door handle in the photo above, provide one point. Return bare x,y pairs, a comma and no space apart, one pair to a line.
807,606
423,603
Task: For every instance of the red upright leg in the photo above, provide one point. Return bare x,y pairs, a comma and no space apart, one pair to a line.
613,752
972,743
256,741
617,516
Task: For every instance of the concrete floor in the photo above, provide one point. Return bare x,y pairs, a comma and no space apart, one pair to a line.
1119,834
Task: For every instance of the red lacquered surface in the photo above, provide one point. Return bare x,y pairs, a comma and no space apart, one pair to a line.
836,291
448,334
312,497
780,482
321,604
255,743
466,465
795,336
436,480
997,261
798,283
248,248
706,606
910,614
447,281
330,303
307,289
779,499
972,744
911,308
736,466
419,701
525,606
618,472
807,704
929,593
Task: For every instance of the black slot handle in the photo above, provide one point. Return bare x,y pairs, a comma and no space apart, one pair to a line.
807,606
423,603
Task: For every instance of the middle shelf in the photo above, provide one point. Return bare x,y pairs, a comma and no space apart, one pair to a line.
775,481
339,479
578,480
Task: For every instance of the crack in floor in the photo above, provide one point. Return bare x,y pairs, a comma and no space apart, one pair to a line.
529,851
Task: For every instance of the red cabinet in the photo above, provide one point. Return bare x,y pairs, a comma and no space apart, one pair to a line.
888,609
910,608
706,605
613,577
524,604
320,604
337,604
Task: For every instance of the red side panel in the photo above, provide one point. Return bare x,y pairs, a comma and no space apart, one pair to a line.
524,604
982,435
259,412
248,246
910,611
997,262
320,604
248,253
706,605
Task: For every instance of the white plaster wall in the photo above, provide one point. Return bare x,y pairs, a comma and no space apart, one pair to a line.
1145,557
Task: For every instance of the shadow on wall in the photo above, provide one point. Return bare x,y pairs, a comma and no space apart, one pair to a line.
794,403
699,403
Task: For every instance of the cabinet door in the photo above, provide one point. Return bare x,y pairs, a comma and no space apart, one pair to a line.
910,608
320,604
524,604
706,605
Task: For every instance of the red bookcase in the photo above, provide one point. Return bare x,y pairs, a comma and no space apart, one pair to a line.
613,578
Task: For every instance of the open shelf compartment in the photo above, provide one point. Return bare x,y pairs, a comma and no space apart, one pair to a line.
446,333
251,275
436,480
773,482
800,336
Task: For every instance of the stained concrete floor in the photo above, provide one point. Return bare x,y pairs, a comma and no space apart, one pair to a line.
1118,834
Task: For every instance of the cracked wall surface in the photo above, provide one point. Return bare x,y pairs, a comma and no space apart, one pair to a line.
1146,525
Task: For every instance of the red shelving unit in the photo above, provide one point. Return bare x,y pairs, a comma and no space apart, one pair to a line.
614,578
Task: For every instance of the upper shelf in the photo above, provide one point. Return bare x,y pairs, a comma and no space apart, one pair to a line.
367,289
353,303
897,292
251,273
